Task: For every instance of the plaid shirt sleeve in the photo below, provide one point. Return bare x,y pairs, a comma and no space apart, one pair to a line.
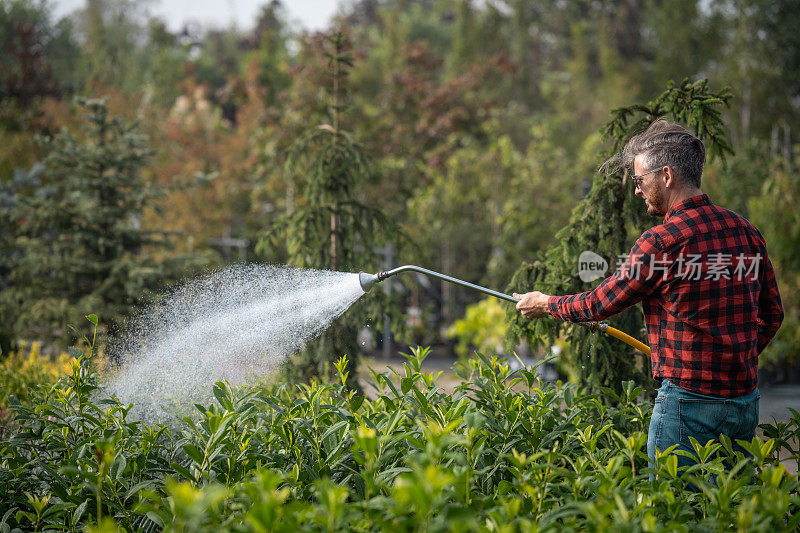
633,281
770,310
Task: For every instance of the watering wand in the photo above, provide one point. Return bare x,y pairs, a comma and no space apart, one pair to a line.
369,280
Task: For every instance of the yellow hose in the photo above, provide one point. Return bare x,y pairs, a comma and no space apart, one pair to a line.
627,339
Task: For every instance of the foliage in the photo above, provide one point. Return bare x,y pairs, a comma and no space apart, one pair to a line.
606,222
38,56
775,213
37,68
481,328
501,452
22,371
75,240
507,195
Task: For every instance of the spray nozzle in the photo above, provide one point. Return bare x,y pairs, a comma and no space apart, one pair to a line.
367,281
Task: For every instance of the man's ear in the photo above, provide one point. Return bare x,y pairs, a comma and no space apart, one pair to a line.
670,179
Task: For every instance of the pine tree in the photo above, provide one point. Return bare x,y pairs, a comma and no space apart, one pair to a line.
330,227
607,221
74,240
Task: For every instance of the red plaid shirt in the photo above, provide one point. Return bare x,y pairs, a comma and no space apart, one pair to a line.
708,292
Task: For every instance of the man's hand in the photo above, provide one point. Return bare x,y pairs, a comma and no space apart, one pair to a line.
533,304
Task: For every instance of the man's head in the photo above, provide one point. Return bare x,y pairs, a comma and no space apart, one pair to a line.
667,163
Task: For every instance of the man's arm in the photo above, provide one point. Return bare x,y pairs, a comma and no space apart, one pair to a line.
624,288
770,310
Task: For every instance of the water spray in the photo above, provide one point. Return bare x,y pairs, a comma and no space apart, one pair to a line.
369,280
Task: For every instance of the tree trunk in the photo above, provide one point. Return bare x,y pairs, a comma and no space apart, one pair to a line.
746,108
333,241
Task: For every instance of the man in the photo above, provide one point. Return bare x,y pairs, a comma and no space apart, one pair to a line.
708,292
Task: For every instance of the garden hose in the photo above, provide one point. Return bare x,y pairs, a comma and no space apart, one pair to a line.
621,335
369,280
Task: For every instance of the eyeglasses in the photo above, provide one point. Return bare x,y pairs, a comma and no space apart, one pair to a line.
637,180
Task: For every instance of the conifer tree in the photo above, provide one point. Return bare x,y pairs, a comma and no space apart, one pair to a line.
75,244
607,221
330,227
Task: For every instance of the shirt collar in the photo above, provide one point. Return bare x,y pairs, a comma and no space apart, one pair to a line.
689,203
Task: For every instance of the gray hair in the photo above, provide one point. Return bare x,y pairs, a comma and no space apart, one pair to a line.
665,144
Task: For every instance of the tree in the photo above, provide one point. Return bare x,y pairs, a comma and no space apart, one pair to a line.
329,228
76,246
607,221
432,136
113,52
37,58
37,65
776,213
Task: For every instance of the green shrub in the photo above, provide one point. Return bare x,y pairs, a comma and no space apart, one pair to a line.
482,328
501,453
27,368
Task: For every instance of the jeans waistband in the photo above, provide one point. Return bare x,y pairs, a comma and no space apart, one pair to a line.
666,384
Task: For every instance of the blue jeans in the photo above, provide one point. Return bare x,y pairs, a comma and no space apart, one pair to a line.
679,414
